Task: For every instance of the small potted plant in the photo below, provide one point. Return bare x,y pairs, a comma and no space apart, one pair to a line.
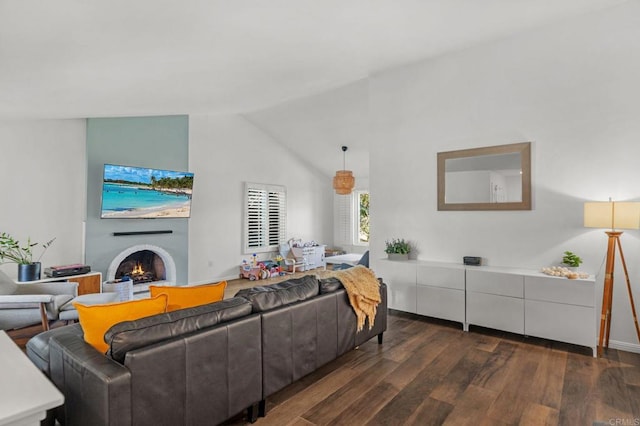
12,251
571,260
397,249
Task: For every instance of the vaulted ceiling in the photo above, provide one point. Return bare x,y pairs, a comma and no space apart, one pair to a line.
75,58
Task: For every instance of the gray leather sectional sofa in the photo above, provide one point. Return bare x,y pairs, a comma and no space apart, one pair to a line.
206,364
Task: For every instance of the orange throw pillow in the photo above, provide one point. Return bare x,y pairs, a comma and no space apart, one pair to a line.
95,320
188,297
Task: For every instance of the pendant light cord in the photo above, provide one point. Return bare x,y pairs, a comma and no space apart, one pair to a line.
344,158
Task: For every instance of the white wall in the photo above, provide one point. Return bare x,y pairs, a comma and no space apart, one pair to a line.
572,89
44,189
316,127
224,152
43,175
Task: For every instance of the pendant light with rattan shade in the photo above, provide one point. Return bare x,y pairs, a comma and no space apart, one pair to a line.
343,181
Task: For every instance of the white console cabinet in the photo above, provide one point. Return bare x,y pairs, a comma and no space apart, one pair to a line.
515,300
400,277
561,309
440,291
426,288
495,300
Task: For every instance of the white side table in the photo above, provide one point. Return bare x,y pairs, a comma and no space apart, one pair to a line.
25,394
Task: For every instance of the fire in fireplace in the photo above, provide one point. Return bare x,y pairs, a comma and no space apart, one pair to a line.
142,266
152,260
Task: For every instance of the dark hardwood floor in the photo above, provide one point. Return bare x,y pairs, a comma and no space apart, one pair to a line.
430,372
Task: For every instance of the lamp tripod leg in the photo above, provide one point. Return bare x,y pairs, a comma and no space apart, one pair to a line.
609,314
607,295
605,316
626,274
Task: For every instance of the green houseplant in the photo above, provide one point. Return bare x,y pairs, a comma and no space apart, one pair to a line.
397,249
12,251
571,260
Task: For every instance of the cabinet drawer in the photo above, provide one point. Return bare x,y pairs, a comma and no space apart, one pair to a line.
495,283
499,312
391,271
441,302
438,276
565,323
400,278
560,290
402,296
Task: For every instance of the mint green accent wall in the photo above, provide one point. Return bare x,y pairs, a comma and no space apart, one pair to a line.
155,142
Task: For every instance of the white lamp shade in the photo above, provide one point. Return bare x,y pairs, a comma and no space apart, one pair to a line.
614,215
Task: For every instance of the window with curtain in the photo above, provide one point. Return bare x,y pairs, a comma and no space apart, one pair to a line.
265,217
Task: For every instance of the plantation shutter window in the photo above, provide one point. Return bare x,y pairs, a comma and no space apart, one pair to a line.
343,217
265,217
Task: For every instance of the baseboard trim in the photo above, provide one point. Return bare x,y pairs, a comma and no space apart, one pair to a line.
624,346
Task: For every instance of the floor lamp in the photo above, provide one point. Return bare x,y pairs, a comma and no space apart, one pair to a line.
612,215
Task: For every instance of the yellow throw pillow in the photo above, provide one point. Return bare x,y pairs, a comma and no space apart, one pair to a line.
95,320
187,297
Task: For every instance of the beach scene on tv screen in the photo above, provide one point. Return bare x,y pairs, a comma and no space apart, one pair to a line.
137,192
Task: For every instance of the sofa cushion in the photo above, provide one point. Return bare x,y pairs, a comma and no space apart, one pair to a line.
181,297
267,297
329,285
97,319
129,335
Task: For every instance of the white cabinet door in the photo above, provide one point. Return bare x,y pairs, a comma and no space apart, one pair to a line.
504,284
440,292
495,300
560,290
441,302
561,309
400,278
402,296
562,322
441,276
495,311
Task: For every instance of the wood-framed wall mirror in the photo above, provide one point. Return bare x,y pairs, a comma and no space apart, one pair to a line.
488,178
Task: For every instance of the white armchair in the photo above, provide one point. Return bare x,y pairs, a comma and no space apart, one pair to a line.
26,304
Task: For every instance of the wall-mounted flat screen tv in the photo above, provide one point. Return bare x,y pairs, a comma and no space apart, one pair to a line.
139,192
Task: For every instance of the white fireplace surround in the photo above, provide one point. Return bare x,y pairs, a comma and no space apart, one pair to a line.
169,265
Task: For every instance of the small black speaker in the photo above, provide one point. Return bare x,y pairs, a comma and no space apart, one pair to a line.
472,260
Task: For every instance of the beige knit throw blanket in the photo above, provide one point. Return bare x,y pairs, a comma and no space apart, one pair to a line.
363,290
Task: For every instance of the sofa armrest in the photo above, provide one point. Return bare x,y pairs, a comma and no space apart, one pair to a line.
97,390
26,298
